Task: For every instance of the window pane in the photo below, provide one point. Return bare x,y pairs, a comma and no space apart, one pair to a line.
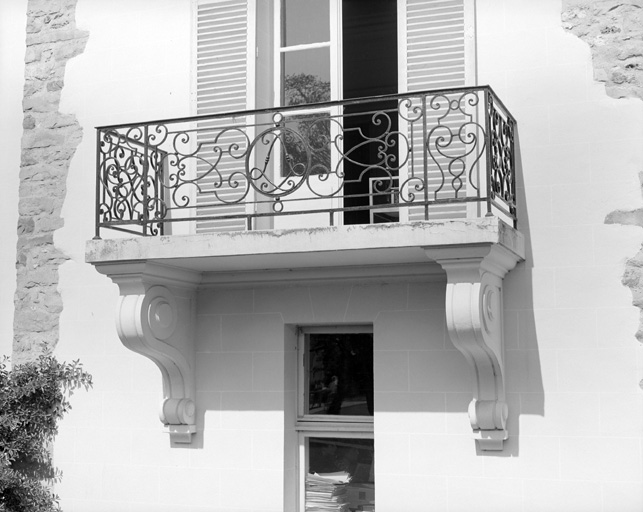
340,374
306,145
306,76
305,21
340,474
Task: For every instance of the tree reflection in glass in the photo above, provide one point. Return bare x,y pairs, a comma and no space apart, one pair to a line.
340,374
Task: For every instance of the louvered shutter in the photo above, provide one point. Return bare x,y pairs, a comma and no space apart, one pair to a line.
224,76
434,38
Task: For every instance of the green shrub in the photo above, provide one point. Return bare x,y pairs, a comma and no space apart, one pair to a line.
33,397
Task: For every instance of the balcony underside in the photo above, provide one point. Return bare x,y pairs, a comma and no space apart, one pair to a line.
159,276
345,247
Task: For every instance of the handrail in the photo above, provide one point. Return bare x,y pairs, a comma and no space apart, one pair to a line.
319,105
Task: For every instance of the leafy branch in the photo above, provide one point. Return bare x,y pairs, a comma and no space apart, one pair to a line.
33,398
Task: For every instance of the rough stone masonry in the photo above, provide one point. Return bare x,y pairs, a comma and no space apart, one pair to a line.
614,31
49,141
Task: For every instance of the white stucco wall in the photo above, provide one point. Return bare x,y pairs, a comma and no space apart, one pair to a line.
573,364
243,456
13,19
136,66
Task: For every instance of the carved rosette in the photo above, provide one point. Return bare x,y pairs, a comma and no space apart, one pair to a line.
153,319
474,314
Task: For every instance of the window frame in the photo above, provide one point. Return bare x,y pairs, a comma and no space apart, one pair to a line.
334,44
279,50
325,422
322,426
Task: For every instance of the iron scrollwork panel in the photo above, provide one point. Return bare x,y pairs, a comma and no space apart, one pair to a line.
455,143
130,178
502,172
202,163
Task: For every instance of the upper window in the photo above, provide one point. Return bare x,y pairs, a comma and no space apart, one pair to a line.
305,44
262,54
305,71
335,419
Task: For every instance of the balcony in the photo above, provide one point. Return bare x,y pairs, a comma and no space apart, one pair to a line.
411,187
430,156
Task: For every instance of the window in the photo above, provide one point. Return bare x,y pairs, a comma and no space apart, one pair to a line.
266,53
338,49
304,58
335,418
305,64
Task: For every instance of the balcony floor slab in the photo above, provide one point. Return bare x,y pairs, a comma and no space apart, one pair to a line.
338,246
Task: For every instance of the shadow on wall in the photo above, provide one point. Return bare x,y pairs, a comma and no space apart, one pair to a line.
418,371
451,391
523,374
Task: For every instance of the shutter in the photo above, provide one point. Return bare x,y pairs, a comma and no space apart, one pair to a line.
434,40
223,84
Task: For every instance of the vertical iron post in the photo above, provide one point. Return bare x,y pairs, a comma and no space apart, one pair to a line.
512,141
161,207
98,182
146,169
425,143
487,124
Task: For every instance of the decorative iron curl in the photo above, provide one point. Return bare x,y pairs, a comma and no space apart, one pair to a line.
409,111
410,188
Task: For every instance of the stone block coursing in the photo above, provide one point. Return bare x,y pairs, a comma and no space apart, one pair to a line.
49,141
614,31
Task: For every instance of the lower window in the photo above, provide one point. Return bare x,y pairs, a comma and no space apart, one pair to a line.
335,419
339,474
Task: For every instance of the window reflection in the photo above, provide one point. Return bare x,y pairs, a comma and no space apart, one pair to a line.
306,145
340,374
306,76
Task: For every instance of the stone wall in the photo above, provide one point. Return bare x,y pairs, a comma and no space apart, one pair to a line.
49,142
614,31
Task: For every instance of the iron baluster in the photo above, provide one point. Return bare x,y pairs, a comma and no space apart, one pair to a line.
425,159
512,208
98,186
488,140
144,184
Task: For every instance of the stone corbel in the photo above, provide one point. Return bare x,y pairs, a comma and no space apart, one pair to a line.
474,315
154,318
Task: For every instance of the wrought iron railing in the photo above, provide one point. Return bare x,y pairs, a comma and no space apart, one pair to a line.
419,156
